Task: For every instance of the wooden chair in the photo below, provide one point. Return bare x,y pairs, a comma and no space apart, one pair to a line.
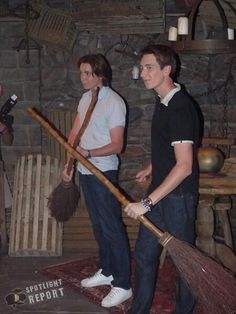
221,208
223,204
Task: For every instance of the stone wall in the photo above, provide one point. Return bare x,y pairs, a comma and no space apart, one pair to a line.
51,80
22,79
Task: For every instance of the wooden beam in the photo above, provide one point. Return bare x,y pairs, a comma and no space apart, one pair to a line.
117,16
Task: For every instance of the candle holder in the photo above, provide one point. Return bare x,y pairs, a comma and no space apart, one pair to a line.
205,46
135,73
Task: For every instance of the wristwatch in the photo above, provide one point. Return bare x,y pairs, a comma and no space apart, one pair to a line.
147,203
89,154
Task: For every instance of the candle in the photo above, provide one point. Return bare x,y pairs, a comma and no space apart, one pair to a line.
183,26
230,33
135,72
172,36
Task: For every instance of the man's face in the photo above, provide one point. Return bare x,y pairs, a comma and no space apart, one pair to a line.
153,76
88,79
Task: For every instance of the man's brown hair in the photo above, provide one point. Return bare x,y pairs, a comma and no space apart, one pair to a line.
100,66
164,56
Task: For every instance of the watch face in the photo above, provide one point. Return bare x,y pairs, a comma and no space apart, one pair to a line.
147,203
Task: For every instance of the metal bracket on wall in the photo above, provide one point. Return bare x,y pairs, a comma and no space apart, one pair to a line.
27,43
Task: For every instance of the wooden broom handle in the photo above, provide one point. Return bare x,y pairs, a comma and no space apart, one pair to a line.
84,125
120,197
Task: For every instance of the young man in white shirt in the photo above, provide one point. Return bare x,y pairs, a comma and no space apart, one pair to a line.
101,141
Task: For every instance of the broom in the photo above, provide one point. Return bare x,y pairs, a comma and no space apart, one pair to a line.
64,199
210,283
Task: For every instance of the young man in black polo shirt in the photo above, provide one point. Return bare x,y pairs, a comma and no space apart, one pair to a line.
172,196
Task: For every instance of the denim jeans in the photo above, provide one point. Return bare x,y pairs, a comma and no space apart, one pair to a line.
109,230
175,214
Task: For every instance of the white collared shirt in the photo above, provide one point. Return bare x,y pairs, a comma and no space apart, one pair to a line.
109,112
167,98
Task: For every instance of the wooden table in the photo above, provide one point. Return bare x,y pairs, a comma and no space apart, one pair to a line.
212,186
217,184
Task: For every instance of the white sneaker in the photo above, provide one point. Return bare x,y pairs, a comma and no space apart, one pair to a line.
98,279
116,296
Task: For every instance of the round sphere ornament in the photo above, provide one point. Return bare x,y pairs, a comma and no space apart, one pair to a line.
210,159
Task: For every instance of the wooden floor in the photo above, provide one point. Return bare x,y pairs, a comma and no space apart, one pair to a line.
22,272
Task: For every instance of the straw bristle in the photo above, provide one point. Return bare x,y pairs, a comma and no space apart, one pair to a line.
211,283
63,201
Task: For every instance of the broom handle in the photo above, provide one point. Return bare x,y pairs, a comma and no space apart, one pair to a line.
120,197
83,126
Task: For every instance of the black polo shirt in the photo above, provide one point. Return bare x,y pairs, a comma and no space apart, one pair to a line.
174,123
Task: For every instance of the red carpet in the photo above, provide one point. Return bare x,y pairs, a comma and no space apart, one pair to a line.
73,272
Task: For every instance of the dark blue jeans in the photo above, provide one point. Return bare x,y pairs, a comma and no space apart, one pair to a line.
109,230
175,214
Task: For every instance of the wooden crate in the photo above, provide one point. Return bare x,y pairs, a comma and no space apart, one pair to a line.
78,232
33,231
62,121
55,27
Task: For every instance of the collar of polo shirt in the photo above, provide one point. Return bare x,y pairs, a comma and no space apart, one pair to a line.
167,98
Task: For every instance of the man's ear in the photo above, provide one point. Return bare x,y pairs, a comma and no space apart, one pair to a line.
167,70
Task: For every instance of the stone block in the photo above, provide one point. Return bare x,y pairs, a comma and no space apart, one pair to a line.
30,74
73,76
54,76
27,135
31,90
133,152
19,74
139,132
8,59
10,88
8,74
33,58
21,116
12,29
53,96
135,114
10,43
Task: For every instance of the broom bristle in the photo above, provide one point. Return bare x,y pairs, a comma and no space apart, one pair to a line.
210,283
63,201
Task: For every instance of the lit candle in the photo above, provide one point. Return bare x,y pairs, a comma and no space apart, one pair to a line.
135,72
183,26
172,36
230,33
